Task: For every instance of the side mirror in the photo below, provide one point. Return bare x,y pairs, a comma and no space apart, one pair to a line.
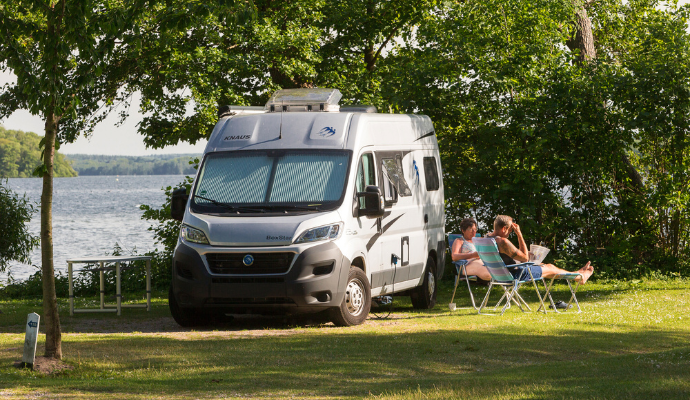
373,202
178,203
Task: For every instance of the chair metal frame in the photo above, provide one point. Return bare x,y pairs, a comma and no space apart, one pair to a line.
460,267
500,276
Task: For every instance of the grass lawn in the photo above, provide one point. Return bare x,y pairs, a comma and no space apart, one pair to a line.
631,341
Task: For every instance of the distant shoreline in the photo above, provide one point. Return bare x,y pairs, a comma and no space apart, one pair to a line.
157,164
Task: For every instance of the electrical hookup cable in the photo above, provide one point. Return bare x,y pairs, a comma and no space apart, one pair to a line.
386,301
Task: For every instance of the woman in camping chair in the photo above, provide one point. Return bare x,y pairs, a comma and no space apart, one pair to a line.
463,249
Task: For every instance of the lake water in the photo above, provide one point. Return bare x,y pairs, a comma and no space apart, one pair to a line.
92,213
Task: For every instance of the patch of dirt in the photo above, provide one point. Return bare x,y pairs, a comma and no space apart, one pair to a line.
46,365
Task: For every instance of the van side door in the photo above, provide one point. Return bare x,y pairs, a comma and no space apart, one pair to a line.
398,230
367,228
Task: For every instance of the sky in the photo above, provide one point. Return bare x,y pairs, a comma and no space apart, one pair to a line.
107,139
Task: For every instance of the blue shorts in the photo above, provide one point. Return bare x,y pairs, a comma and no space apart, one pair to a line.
521,273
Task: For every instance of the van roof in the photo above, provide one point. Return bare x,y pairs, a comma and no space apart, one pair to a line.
324,130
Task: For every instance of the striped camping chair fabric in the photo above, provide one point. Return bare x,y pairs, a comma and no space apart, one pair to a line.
488,252
500,276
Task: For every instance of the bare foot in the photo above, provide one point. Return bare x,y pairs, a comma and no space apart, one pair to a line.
586,272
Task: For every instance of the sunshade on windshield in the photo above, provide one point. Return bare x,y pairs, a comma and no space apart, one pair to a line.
241,178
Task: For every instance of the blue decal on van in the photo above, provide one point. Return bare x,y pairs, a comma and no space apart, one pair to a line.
326,131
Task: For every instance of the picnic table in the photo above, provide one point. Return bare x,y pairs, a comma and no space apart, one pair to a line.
101,260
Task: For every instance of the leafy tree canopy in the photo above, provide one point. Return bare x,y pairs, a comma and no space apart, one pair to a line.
15,242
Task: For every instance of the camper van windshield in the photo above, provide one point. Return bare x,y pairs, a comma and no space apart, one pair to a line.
265,181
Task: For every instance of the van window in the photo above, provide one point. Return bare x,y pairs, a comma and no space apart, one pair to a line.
431,173
392,170
365,172
365,175
270,178
390,193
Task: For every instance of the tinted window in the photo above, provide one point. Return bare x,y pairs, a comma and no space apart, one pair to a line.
431,173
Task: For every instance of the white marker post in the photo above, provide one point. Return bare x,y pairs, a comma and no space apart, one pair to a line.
31,339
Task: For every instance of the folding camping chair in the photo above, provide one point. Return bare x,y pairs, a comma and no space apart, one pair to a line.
460,274
500,276
568,277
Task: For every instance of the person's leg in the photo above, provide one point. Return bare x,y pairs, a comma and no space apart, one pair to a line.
476,267
549,271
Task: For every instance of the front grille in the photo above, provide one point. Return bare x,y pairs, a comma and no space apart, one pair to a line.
248,280
251,301
264,263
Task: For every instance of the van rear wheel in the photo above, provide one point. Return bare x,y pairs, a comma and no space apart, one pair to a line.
357,301
424,297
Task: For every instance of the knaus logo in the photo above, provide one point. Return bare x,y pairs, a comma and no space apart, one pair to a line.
326,131
238,137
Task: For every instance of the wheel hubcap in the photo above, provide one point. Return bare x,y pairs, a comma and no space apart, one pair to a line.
354,297
431,284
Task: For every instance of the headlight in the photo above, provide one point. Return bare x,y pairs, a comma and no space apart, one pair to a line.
328,232
193,235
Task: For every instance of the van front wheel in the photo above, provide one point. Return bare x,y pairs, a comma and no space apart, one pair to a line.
424,296
184,317
357,301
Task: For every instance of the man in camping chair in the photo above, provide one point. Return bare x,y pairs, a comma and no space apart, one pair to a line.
503,226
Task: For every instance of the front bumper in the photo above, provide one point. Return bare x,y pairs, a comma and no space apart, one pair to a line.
314,281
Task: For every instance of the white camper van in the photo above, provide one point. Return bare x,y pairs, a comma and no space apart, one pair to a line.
304,206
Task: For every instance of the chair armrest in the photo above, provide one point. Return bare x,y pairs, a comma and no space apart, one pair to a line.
568,276
524,264
458,265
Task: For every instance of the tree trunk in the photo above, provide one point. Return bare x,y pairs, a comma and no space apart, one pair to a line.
370,57
583,40
50,310
584,37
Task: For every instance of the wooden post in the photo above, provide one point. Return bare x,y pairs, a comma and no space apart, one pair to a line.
30,339
102,273
118,288
148,285
71,289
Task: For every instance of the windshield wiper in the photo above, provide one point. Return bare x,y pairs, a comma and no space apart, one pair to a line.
261,207
230,206
295,207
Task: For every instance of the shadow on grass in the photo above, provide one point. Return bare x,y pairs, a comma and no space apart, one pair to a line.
159,320
463,363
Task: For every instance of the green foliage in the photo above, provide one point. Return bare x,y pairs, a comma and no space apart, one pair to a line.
15,242
20,155
342,44
131,165
166,232
590,159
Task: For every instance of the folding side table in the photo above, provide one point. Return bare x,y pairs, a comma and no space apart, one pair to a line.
101,260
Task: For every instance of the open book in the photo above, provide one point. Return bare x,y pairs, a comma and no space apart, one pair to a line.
537,253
